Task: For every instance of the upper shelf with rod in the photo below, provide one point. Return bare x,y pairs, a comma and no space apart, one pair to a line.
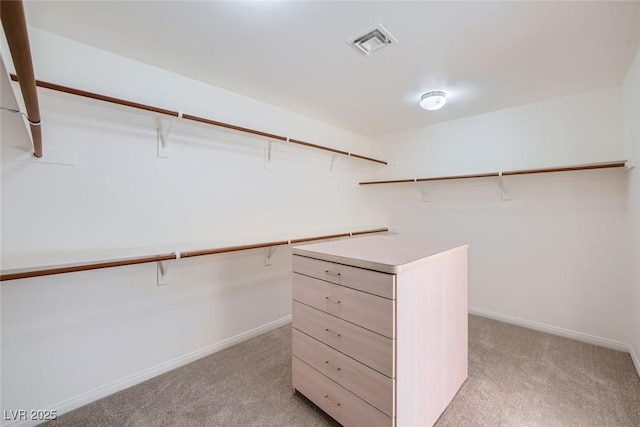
120,261
177,114
500,175
605,165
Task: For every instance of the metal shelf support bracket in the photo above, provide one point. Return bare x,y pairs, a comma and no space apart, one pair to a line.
334,158
163,273
331,162
423,190
163,136
268,153
162,268
268,253
503,191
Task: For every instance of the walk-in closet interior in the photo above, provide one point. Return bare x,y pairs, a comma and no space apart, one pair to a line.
319,213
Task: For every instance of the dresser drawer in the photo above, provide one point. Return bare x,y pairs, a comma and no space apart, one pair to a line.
373,282
365,346
338,402
371,386
369,311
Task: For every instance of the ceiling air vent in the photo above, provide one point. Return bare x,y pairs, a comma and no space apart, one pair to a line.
372,40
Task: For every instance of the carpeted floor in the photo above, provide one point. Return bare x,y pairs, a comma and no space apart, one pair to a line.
517,377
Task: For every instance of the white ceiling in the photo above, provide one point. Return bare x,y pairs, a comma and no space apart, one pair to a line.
485,55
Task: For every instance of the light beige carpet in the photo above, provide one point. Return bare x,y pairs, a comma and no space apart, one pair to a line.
517,377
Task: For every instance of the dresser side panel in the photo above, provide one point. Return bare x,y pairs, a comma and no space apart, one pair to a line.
432,347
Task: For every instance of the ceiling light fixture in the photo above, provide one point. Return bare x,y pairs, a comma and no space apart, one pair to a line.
433,100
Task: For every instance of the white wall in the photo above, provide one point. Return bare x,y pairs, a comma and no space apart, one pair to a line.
632,140
68,339
7,119
555,256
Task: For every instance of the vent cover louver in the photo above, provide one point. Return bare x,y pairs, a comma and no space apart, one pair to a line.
374,39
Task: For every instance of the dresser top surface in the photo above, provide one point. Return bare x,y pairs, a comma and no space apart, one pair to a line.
388,253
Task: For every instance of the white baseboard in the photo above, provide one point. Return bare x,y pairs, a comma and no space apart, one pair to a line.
567,333
634,357
131,380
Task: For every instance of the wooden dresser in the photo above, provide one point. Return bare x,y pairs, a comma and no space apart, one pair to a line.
380,328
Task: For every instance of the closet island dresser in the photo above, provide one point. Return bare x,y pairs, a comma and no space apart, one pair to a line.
380,328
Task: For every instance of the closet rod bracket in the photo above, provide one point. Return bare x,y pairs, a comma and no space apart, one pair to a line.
163,273
503,191
269,151
268,253
335,157
423,190
163,136
331,162
162,268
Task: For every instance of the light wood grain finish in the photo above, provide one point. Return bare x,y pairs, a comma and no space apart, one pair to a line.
374,350
388,253
432,338
369,311
369,385
428,357
344,406
372,282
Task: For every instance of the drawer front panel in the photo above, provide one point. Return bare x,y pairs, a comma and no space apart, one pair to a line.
371,386
373,282
374,350
341,404
369,311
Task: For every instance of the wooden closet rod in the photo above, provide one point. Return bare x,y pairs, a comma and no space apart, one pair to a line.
15,29
36,272
615,164
158,110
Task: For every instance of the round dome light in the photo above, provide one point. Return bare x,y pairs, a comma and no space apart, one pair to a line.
433,100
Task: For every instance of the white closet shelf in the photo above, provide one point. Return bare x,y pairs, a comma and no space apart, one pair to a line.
25,270
180,115
604,165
